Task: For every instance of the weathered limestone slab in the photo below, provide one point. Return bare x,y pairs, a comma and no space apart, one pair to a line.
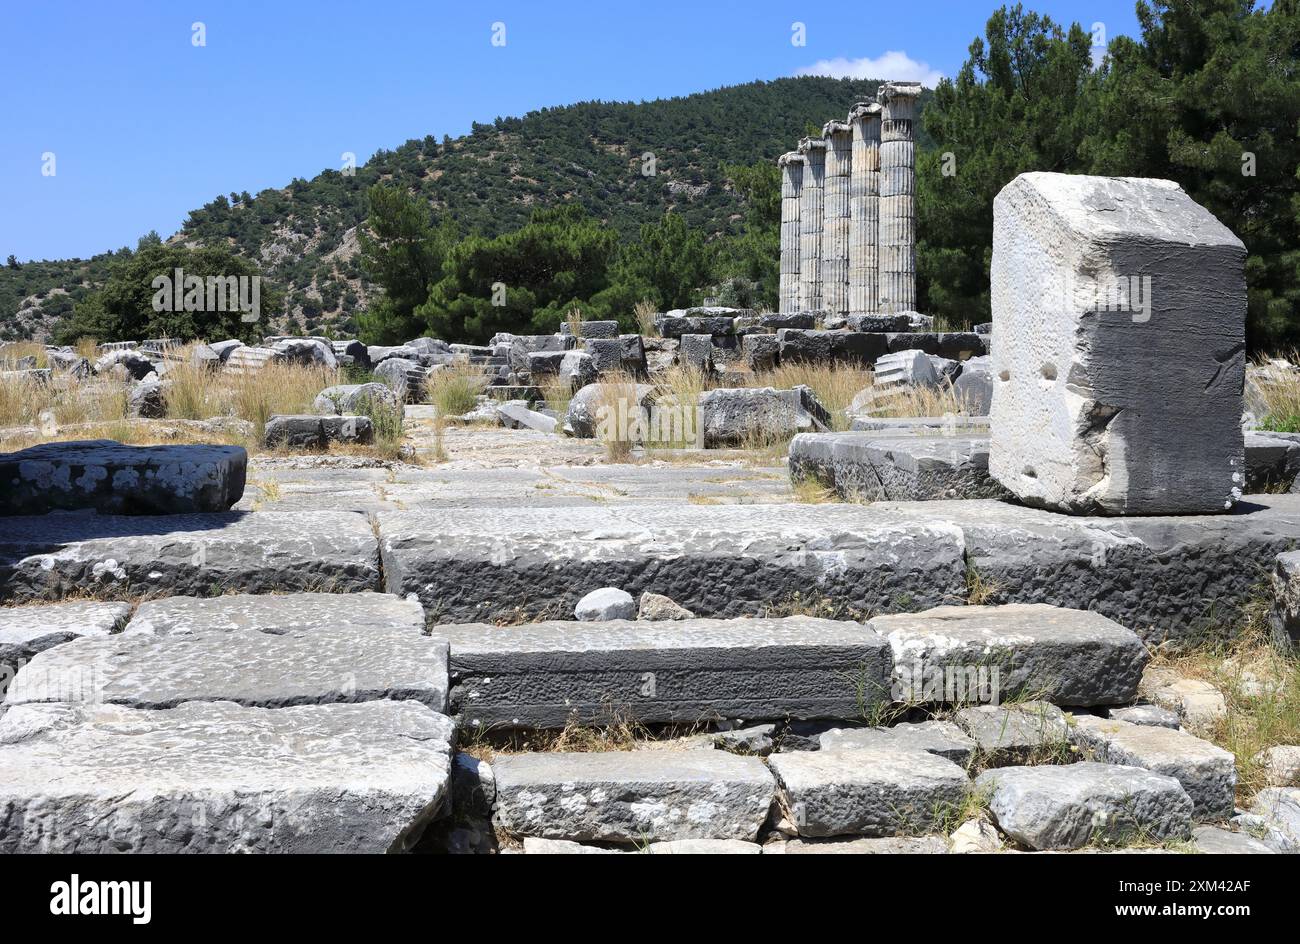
1163,577
1208,773
891,845
1196,702
111,478
1215,840
1271,462
275,613
1145,714
624,353
1278,810
352,399
547,674
312,431
217,777
1067,807
47,557
831,347
307,666
737,416
592,329
798,318
718,561
28,630
1068,657
696,321
704,847
870,792
1018,732
954,345
632,796
936,737
875,466
760,351
1284,614
515,413
1101,407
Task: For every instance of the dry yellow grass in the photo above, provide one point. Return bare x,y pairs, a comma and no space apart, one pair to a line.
1261,689
834,385
644,310
557,391
1278,388
11,353
617,407
454,389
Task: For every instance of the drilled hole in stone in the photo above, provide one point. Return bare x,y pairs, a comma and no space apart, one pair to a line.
1004,375
1029,472
1049,371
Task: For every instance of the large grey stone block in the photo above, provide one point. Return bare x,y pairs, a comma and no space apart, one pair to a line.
1068,657
274,613
547,674
308,666
217,777
868,791
47,557
935,737
1208,773
858,348
632,796
1119,312
353,399
311,431
1068,807
27,630
877,466
736,416
718,561
110,478
1015,733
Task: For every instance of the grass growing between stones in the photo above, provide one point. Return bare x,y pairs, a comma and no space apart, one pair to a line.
1279,390
1261,688
13,353
835,386
454,388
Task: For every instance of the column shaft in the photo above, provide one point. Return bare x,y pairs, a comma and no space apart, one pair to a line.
811,213
791,165
835,222
864,209
897,260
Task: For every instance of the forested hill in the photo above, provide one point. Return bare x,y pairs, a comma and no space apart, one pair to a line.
597,153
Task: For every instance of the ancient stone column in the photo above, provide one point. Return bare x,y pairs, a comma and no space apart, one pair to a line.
811,211
835,222
897,246
1119,329
791,165
864,209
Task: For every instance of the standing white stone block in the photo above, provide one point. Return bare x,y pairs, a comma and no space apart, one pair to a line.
1119,311
835,222
864,209
811,213
897,243
791,165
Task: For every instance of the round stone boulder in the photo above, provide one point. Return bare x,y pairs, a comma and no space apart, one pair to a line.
607,603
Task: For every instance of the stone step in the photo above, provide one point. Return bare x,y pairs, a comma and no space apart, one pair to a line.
874,791
1208,773
217,777
295,649
1064,656
480,564
110,478
28,630
866,466
548,674
47,557
1153,575
632,796
1069,806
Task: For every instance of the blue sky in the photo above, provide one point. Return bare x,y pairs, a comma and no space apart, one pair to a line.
144,125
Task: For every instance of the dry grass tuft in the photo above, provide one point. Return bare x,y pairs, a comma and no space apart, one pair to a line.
645,312
557,391
616,406
1279,389
454,388
14,351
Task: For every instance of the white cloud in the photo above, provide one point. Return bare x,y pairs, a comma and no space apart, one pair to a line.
894,64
